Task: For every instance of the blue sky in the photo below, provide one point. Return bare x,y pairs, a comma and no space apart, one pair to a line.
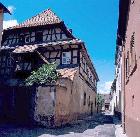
93,21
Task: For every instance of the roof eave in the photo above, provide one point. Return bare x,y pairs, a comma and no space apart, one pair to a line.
97,77
4,8
123,18
25,27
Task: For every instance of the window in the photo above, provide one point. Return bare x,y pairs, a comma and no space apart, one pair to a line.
95,102
2,62
66,58
21,66
39,36
89,101
27,39
21,38
91,78
84,103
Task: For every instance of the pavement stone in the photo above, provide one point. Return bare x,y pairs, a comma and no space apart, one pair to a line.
119,130
98,126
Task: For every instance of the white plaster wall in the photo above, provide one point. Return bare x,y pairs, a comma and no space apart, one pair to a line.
117,103
118,87
118,106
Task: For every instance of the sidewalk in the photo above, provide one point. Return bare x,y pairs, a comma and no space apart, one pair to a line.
119,130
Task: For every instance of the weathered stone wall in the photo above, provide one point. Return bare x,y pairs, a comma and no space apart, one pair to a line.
70,100
44,105
51,105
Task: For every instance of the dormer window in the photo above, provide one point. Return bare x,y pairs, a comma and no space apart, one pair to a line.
66,58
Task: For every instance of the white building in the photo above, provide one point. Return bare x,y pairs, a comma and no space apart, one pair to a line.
116,89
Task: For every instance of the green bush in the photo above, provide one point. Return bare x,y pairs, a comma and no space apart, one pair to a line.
100,100
44,75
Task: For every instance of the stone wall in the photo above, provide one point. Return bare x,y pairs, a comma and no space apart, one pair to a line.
45,105
70,100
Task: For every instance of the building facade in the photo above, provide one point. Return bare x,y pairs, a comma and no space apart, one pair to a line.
128,39
117,92
42,39
106,101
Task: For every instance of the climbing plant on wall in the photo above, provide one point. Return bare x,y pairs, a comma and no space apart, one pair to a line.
45,74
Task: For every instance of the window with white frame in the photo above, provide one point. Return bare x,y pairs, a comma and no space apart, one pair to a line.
66,57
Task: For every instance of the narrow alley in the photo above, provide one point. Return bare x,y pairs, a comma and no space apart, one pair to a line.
100,126
69,68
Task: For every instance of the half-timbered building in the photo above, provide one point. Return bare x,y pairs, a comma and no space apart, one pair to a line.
41,39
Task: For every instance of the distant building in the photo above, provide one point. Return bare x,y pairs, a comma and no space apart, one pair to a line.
25,47
3,10
106,102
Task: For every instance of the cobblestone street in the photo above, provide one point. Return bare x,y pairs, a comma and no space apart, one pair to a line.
101,126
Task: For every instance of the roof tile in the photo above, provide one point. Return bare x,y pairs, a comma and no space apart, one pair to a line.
44,18
31,48
68,72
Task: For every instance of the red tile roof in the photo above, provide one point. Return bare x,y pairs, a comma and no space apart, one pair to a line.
25,49
31,48
44,18
68,72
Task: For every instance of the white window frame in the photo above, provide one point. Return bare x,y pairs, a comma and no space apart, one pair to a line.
67,58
